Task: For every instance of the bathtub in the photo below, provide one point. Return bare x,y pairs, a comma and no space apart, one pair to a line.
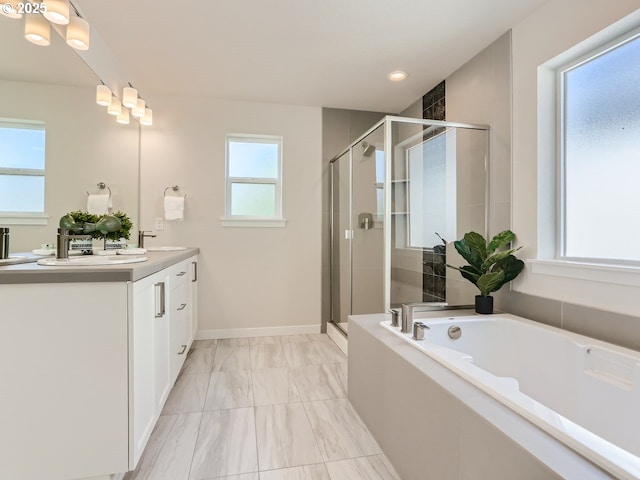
582,391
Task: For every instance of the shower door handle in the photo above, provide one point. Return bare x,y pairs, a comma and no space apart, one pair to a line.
348,234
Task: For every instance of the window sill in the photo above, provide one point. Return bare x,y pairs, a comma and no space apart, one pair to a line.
23,218
253,222
602,273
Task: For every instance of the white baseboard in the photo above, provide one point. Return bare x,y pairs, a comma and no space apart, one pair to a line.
256,332
338,338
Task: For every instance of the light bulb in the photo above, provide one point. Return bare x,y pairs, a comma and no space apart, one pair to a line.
139,109
397,76
103,95
115,107
148,117
37,30
123,118
57,11
78,34
129,97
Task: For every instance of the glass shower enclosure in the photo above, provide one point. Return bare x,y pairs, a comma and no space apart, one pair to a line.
400,195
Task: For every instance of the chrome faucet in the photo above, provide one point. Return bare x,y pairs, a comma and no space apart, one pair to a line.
409,308
141,236
64,236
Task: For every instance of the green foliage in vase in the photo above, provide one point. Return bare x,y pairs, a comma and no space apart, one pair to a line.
82,217
489,268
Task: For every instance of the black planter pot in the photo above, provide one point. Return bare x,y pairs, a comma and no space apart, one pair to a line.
484,305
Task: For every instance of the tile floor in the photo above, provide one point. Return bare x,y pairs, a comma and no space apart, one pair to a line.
264,408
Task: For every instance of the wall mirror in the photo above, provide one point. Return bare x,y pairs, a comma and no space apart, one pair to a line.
84,146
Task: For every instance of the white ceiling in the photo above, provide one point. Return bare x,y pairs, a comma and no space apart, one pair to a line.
332,53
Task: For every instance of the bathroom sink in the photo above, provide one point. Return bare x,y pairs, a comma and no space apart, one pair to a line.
165,249
12,260
89,260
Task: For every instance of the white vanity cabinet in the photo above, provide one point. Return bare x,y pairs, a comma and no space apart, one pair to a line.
88,357
162,332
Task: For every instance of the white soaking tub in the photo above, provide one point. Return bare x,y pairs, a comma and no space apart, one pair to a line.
582,391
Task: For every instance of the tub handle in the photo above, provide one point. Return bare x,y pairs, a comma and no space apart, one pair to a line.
418,330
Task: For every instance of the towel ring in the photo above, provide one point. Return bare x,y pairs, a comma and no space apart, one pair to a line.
175,188
102,186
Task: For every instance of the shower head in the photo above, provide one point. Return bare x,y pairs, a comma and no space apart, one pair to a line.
368,149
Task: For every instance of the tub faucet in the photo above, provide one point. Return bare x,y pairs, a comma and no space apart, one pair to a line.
409,308
64,235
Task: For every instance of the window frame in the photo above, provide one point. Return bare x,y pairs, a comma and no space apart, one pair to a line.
561,148
18,217
231,220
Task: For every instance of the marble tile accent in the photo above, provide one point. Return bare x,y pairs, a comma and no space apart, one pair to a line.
320,382
329,352
267,356
363,468
188,394
285,438
234,342
199,360
232,358
168,453
306,472
274,385
339,431
226,444
229,390
263,340
301,354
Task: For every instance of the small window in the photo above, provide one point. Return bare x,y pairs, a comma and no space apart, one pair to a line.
22,171
600,154
254,180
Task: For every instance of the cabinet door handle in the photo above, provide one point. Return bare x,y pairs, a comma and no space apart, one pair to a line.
195,271
181,274
182,306
181,352
160,299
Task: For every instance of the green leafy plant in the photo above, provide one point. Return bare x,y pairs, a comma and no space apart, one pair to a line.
82,217
489,267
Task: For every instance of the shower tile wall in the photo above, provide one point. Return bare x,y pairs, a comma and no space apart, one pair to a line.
434,280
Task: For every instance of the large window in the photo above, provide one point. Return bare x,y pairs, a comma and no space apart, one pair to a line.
254,178
22,168
600,152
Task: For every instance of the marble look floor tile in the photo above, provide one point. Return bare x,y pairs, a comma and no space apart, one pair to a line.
306,472
199,360
229,390
267,356
329,352
226,444
364,468
300,338
231,358
339,431
271,340
274,385
320,382
244,476
285,438
301,354
187,395
204,343
234,342
318,337
169,450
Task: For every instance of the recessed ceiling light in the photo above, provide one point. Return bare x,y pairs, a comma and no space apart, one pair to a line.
397,76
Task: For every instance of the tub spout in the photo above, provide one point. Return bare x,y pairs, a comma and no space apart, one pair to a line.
409,308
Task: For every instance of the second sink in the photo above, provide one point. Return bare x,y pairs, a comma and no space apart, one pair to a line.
89,260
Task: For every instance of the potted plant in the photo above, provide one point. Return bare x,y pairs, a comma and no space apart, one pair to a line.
118,239
115,239
489,265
